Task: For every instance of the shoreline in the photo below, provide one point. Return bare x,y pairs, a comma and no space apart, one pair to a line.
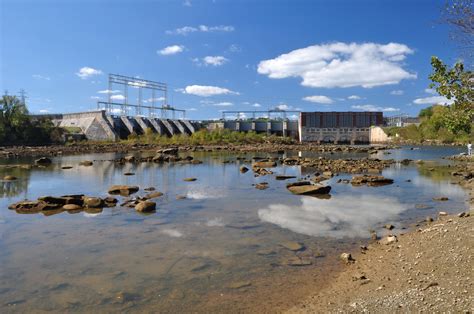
426,269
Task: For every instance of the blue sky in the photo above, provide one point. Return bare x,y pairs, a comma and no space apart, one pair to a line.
225,55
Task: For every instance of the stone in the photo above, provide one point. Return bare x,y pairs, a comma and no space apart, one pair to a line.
110,200
429,219
390,239
145,207
93,202
261,186
180,197
389,226
123,189
371,180
306,188
264,164
44,161
440,199
159,158
129,174
283,177
86,163
189,179
239,284
129,158
66,167
297,261
9,178
151,188
71,207
153,195
292,246
347,258
243,169
443,214
169,151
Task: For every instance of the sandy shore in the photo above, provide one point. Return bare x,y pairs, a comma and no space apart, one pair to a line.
429,269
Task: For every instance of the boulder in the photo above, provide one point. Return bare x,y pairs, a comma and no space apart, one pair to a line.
347,258
189,179
390,239
371,180
169,151
440,199
66,167
9,178
43,161
243,169
86,163
292,246
306,188
145,207
264,164
71,207
158,158
129,174
261,186
152,195
389,226
123,189
129,158
93,202
283,177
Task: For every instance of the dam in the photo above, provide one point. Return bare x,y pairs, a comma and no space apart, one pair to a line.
100,125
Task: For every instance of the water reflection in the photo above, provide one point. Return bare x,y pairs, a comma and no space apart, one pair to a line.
344,216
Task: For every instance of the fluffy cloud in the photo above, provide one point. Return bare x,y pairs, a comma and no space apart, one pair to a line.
319,99
223,104
117,97
207,91
214,60
86,72
374,108
353,97
171,50
433,100
108,91
341,65
397,92
185,30
256,105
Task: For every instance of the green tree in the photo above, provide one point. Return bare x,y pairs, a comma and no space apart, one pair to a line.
455,84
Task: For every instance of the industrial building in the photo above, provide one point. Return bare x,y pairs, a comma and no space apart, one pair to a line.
341,127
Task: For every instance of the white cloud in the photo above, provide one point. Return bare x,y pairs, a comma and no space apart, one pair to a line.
353,97
43,110
171,50
283,107
341,65
191,109
187,3
86,72
108,91
319,99
214,60
433,100
156,99
117,97
431,91
223,104
206,91
397,92
256,105
95,97
374,108
185,30
234,48
41,77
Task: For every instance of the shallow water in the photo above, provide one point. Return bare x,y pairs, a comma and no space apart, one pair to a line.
220,249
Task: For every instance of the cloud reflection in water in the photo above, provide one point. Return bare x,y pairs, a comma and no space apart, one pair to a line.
342,216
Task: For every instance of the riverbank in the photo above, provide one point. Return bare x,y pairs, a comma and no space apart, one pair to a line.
74,149
426,270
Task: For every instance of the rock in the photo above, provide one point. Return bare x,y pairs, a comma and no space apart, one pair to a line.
129,174
282,177
429,219
44,161
145,207
152,195
462,214
297,261
443,214
243,169
371,180
306,188
180,197
261,185
389,226
389,240
123,189
347,258
93,202
151,188
358,276
66,167
264,164
110,200
9,178
328,174
129,158
292,246
239,284
86,163
169,151
71,207
189,179
159,158
440,199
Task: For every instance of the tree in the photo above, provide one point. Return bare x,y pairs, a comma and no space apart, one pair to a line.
458,85
460,16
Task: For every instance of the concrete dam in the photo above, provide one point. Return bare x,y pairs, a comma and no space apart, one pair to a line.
100,125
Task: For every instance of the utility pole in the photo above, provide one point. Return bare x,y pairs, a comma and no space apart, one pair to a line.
23,96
